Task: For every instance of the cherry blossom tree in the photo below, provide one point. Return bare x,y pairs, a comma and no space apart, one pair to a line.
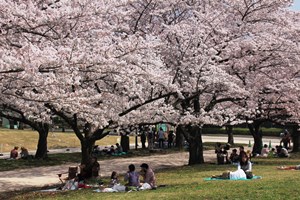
100,64
81,61
223,55
265,60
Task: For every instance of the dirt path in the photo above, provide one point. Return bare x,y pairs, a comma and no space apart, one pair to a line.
42,176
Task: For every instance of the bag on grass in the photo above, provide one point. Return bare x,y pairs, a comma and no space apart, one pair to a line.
145,186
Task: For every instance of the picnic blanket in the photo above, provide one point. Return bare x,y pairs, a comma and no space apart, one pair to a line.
244,179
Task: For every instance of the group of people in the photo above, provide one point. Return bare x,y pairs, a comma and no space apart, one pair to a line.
244,168
14,154
278,151
223,156
132,178
159,136
112,150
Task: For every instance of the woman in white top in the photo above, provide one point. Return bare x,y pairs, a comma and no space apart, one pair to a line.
245,165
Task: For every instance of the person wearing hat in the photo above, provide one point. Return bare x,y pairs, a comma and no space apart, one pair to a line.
148,175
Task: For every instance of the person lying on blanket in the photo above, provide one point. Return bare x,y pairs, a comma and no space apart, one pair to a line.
236,175
296,167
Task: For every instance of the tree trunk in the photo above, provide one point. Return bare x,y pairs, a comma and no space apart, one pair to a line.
179,138
194,138
11,124
21,126
295,138
43,130
230,134
86,151
125,142
257,136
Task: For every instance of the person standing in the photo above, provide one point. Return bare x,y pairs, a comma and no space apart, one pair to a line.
143,139
150,135
170,139
161,138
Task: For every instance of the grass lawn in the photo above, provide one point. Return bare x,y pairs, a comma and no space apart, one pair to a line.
187,183
29,139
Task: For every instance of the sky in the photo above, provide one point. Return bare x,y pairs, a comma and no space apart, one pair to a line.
296,5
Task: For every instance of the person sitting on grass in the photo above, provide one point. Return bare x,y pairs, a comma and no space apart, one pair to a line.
24,153
89,171
245,165
272,153
283,152
119,149
148,175
265,151
112,149
234,157
114,179
132,177
14,153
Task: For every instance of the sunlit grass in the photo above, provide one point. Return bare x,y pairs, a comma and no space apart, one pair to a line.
29,139
187,183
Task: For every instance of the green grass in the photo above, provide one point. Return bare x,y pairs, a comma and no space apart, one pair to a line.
187,183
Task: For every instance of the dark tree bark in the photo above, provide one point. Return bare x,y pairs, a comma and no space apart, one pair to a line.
21,126
11,124
295,138
179,138
87,140
125,142
257,136
193,136
86,150
42,147
230,134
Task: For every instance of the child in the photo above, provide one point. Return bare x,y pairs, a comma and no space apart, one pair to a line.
114,180
132,177
272,153
234,157
264,151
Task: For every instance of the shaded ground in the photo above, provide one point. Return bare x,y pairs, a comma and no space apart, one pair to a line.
43,176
